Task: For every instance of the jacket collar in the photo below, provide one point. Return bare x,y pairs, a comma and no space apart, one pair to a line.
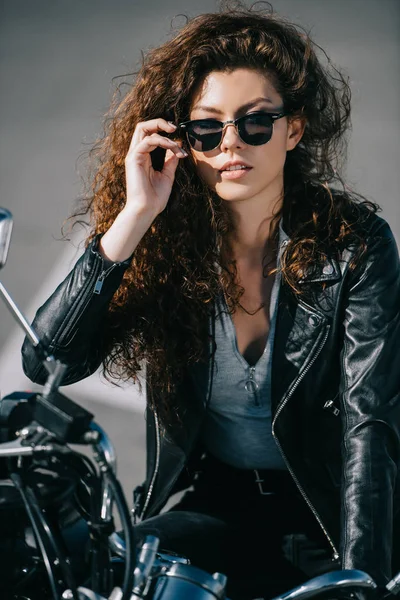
329,271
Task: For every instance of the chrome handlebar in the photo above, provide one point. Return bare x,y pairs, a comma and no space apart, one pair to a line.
107,450
330,582
349,580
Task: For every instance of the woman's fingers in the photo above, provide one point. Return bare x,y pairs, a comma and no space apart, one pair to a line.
150,142
149,182
146,128
170,163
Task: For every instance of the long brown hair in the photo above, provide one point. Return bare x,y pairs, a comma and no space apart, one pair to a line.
159,315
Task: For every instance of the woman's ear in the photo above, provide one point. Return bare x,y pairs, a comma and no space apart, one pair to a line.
295,132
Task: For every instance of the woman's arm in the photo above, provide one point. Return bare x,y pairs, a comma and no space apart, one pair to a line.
370,397
70,322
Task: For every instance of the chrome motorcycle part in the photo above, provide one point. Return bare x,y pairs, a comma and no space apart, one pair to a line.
144,565
336,581
394,585
105,447
179,582
6,224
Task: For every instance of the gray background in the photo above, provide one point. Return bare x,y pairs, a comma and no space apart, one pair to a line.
57,62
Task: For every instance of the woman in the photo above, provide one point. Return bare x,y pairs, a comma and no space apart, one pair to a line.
263,300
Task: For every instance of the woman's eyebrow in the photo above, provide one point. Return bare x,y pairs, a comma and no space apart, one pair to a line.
246,106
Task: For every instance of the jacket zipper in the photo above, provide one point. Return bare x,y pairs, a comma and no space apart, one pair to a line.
158,436
279,409
156,468
101,278
78,310
97,289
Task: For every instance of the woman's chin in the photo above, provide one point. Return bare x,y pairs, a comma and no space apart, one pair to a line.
238,196
234,192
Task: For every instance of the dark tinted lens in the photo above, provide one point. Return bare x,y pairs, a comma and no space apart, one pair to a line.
256,129
204,135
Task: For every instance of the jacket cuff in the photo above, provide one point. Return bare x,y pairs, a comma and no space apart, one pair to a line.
94,248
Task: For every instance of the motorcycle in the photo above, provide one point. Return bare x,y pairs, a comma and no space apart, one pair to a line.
57,471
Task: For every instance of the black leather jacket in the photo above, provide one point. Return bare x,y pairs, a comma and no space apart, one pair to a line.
335,393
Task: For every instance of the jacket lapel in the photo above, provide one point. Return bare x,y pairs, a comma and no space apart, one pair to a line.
300,327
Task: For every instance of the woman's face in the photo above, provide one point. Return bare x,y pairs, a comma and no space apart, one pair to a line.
229,95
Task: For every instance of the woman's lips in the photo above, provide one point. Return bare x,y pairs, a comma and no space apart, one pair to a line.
236,174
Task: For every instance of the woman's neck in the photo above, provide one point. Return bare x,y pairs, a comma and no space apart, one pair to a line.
252,230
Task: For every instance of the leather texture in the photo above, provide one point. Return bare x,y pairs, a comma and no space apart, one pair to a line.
335,393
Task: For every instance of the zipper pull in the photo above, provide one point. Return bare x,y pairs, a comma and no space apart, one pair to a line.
329,405
100,280
99,283
251,385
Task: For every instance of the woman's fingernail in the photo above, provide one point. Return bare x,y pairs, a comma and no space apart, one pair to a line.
172,124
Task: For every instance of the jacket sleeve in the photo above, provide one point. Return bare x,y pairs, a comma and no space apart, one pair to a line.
370,398
70,322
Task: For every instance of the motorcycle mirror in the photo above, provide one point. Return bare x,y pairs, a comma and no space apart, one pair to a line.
6,223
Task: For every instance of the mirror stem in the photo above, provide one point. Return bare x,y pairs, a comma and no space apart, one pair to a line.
54,367
16,312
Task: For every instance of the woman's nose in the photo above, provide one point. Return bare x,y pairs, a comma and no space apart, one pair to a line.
230,137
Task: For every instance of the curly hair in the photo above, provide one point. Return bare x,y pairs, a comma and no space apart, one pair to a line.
159,315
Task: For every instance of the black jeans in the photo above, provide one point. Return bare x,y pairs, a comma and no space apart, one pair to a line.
224,524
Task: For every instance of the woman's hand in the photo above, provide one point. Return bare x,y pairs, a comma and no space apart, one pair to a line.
148,190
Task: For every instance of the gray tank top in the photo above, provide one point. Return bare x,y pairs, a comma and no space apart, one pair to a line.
237,426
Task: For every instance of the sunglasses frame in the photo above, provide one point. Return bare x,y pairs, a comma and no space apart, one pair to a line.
236,122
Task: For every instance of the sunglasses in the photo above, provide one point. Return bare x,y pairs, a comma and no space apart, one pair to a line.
254,129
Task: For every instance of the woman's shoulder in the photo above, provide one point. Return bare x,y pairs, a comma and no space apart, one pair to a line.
354,212
347,227
370,226
370,238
